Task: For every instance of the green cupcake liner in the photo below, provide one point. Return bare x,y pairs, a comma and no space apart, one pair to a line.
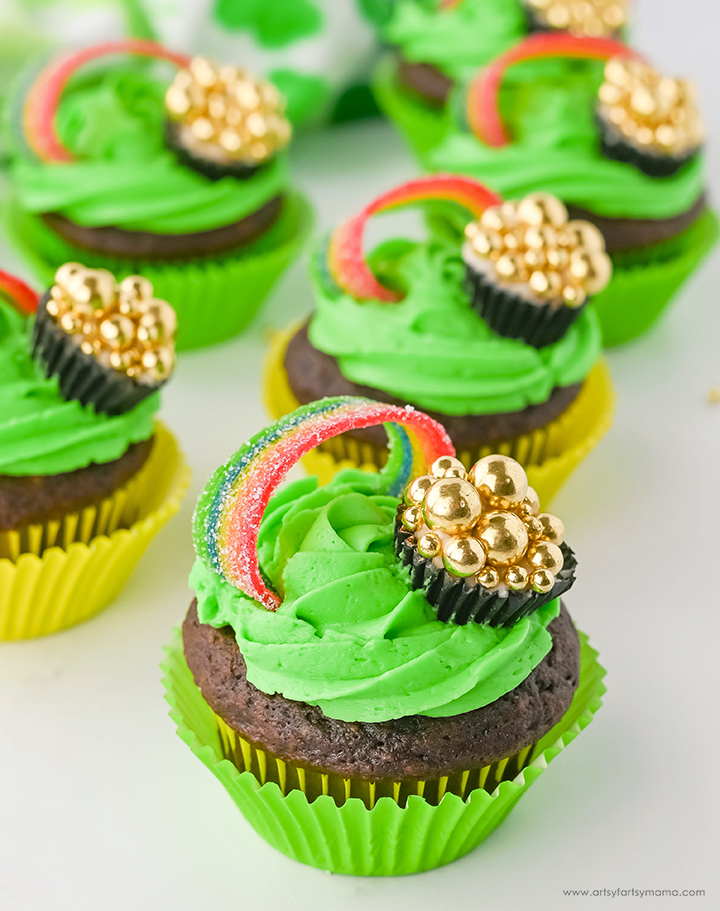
215,298
645,281
422,126
387,840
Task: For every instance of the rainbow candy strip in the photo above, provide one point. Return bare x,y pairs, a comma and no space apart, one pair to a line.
43,97
483,113
346,259
230,509
17,293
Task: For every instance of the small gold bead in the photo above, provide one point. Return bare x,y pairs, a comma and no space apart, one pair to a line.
136,288
492,220
532,500
542,581
66,272
546,555
447,467
118,331
534,527
553,528
429,545
542,208
412,518
488,577
415,493
516,578
464,556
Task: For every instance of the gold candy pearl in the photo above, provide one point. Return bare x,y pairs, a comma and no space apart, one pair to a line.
202,129
610,94
583,234
534,259
122,360
545,284
66,272
488,577
558,16
447,467
503,535
136,288
614,16
501,477
204,72
542,581
546,555
492,220
482,244
165,363
593,270
472,229
429,545
412,518
542,208
160,312
509,212
71,323
553,528
464,557
510,267
157,363
617,72
259,151
95,287
666,135
644,136
216,106
230,140
415,493
452,505
257,125
534,528
53,307
532,501
118,331
178,100
247,95
557,258
516,578
573,296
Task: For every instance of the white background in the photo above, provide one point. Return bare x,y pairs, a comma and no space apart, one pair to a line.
103,807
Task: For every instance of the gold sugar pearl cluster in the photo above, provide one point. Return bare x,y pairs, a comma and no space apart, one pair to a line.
532,241
584,18
654,111
229,109
485,523
122,325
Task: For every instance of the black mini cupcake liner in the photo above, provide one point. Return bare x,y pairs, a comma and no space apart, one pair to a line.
210,169
616,148
456,601
81,376
511,316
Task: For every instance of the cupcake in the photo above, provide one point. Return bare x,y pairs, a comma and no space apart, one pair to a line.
185,184
357,730
617,143
409,329
440,44
87,475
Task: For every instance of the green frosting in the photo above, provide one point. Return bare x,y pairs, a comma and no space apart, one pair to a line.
40,432
433,350
351,636
555,147
124,175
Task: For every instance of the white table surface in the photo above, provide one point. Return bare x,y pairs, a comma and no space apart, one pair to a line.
103,807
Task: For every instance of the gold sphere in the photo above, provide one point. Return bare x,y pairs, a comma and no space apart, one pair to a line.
452,505
534,527
412,518
542,208
136,288
488,577
117,330
532,500
583,234
542,581
504,536
546,555
501,477
516,578
594,270
447,467
492,219
66,272
429,545
553,528
464,556
415,492
158,319
93,286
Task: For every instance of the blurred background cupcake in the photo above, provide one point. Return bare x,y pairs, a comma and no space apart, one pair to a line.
408,332
382,766
182,180
87,475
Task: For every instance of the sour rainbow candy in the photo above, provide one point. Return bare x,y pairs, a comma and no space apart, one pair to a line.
43,98
346,259
17,293
482,101
231,507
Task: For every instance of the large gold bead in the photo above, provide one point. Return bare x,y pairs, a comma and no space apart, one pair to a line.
464,556
452,505
159,363
415,493
546,555
158,322
516,578
447,467
534,527
66,272
618,72
488,577
412,518
178,100
117,330
429,545
204,72
532,501
542,581
553,528
500,477
504,536
592,269
540,237
136,288
95,287
492,220
542,208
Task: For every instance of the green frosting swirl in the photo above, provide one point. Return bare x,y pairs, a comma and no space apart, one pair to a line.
351,636
124,175
555,147
433,350
40,432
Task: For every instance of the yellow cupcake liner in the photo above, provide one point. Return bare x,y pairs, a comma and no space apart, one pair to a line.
549,454
58,574
249,757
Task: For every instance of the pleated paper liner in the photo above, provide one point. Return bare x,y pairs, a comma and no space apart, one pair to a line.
614,146
402,831
60,574
548,454
215,298
645,281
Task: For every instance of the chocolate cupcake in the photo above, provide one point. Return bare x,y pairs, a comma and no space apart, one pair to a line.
314,664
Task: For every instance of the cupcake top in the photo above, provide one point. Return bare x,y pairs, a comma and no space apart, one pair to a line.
549,137
340,625
105,161
43,433
595,18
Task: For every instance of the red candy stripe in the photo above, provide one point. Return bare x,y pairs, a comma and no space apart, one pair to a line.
43,98
346,258
20,295
482,101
